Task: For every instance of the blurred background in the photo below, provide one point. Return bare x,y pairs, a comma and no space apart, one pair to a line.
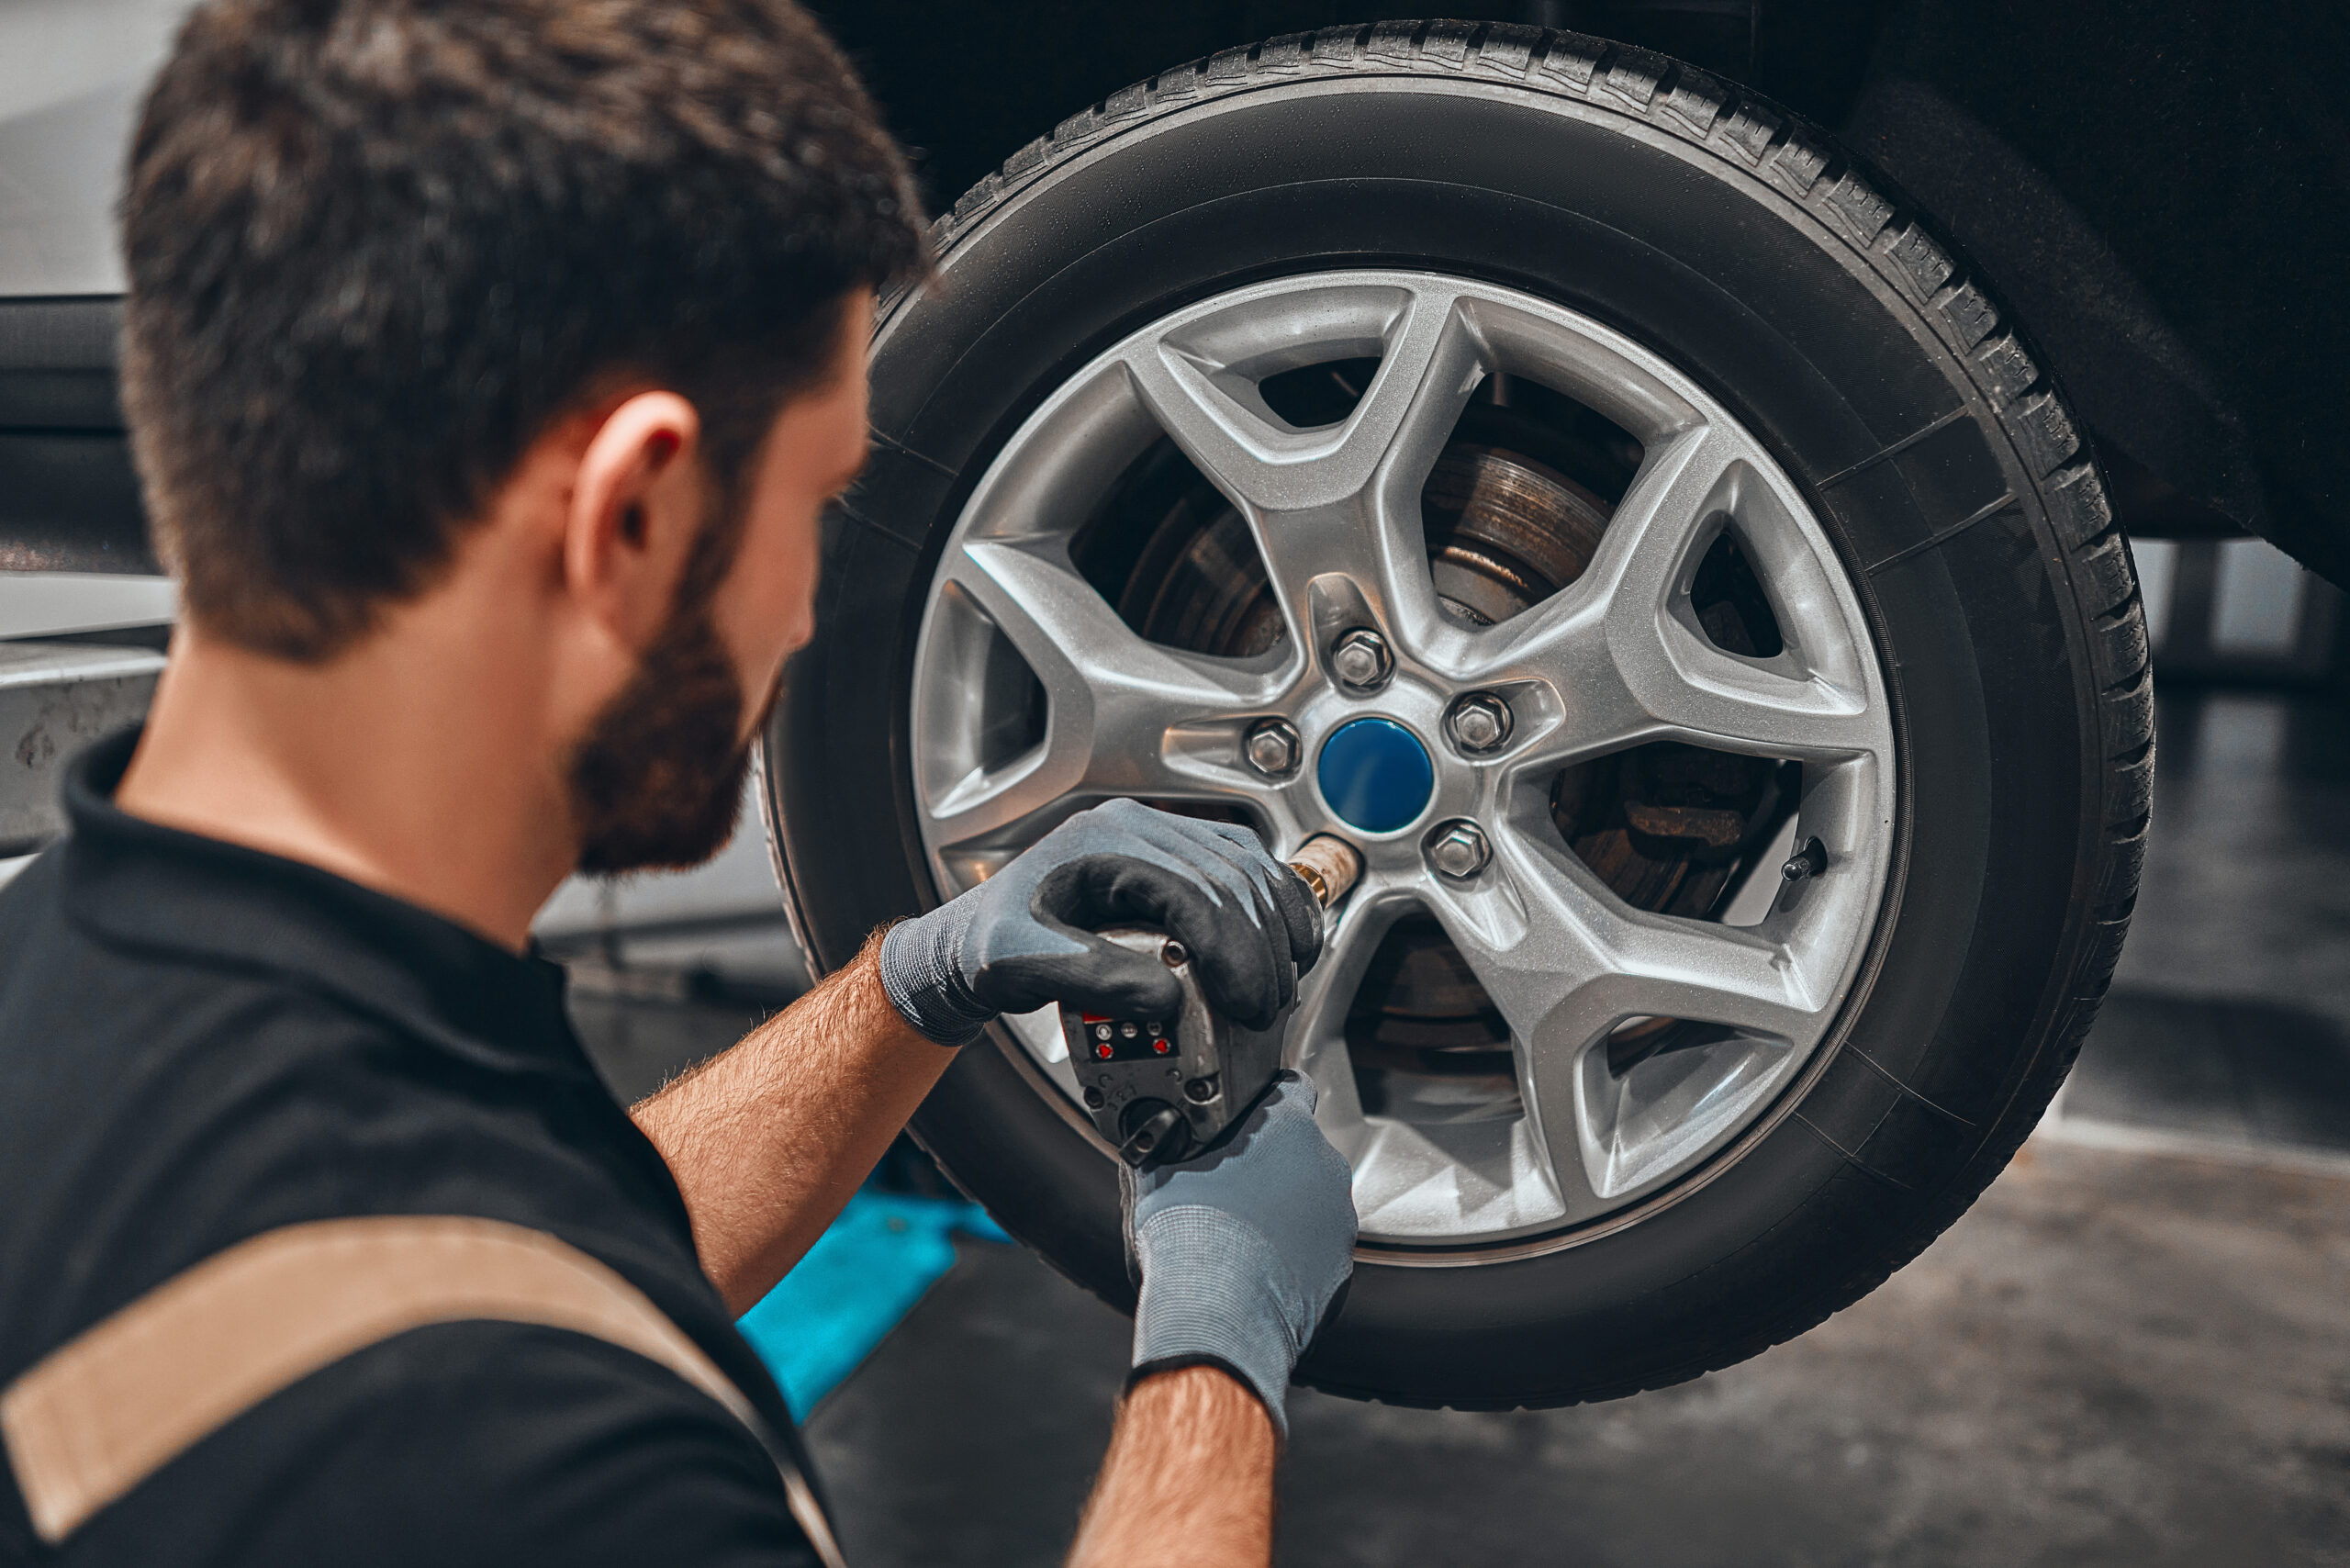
2135,1349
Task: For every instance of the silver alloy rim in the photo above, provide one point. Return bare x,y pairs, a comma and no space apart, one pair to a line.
1614,659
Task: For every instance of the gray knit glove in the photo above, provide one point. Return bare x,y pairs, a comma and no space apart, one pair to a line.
1241,1251
1024,937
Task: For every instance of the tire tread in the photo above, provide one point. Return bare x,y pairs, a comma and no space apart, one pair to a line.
1755,138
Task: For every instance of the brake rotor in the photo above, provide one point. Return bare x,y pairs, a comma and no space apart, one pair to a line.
1504,530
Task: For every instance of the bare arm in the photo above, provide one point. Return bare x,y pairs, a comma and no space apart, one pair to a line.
769,1140
1189,1478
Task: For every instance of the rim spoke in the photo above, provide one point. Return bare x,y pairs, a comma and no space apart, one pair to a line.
1650,533
1653,528
1326,990
1622,683
1318,1035
1225,429
1565,965
1342,500
1110,696
1627,656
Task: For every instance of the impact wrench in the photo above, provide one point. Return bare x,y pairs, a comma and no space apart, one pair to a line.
1163,1090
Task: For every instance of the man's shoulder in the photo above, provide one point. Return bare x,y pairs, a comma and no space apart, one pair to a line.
154,1113
34,934
65,985
28,884
112,1064
465,1443
182,1074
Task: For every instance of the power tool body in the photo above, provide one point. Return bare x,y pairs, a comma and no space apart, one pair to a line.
1165,1090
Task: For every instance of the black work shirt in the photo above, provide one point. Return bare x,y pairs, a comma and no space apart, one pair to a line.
199,1043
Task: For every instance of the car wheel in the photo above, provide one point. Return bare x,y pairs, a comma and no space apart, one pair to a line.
1585,489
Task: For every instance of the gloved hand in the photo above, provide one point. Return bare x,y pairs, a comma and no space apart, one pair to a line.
1241,1251
1024,937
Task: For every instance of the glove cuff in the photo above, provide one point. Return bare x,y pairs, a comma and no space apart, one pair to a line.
922,977
1213,1290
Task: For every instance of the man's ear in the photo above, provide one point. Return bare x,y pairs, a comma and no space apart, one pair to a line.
636,507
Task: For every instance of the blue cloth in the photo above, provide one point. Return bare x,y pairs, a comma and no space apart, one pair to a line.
863,1275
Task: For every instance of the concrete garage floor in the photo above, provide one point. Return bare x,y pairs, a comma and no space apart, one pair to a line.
2135,1349
2114,1359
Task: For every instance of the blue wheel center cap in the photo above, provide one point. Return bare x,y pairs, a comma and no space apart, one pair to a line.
1375,774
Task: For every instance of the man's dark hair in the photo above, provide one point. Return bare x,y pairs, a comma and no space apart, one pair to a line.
376,246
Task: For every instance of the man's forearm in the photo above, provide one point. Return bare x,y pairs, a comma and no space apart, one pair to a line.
769,1140
1189,1478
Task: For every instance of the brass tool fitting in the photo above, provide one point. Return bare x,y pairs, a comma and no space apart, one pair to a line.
1328,866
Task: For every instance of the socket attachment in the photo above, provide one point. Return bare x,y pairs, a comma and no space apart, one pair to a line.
1328,866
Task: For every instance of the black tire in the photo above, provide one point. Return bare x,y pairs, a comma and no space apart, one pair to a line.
1804,296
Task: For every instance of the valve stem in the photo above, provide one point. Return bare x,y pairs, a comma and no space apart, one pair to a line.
1809,859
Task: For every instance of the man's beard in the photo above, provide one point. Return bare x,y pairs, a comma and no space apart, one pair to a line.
657,780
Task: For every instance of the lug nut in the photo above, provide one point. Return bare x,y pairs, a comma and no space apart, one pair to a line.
1272,747
1479,722
1360,660
1458,849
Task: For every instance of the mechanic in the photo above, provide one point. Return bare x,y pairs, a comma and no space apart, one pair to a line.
488,367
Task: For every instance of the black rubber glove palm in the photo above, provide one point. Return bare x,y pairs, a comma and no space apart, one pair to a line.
1025,938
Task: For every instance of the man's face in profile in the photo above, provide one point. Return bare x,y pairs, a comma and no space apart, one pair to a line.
656,780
